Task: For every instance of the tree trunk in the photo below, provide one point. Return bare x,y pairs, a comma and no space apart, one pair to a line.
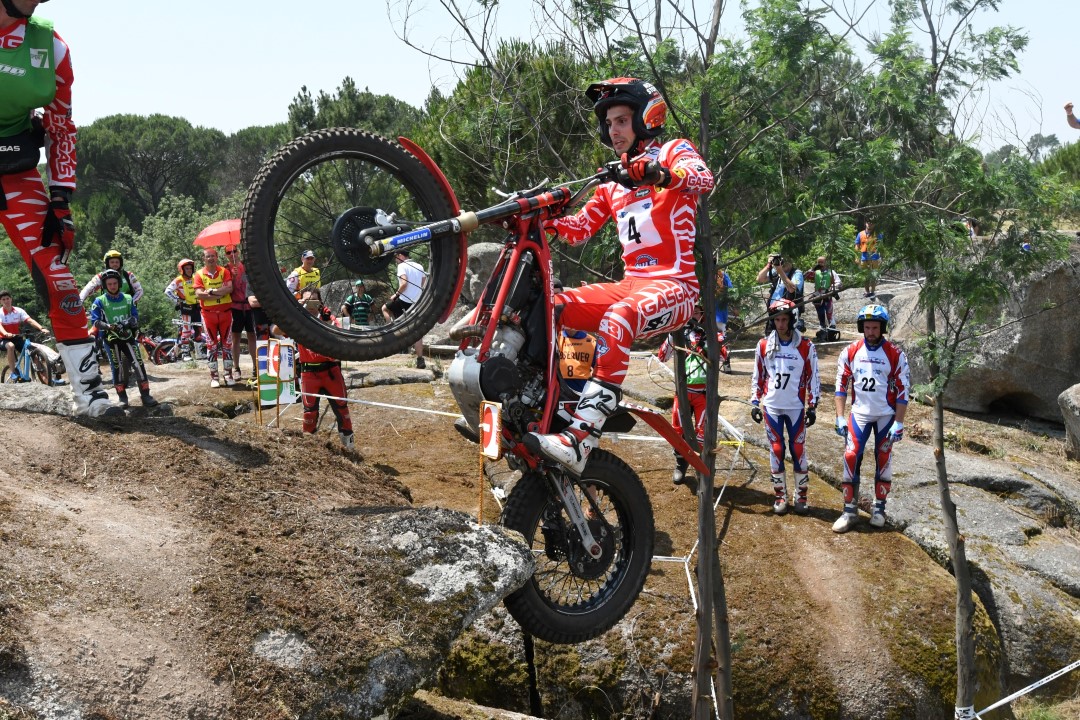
965,606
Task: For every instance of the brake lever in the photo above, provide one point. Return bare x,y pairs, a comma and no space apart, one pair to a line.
543,184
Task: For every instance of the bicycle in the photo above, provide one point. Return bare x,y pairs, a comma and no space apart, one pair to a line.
591,535
35,362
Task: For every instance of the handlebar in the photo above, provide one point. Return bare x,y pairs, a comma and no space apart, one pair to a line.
384,239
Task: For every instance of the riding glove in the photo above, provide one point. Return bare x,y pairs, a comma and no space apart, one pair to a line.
58,226
811,417
643,171
841,427
896,432
755,414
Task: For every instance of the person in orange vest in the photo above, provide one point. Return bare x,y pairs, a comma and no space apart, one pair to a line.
213,288
866,245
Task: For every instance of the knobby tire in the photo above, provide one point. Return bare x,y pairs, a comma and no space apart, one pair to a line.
557,604
164,353
316,193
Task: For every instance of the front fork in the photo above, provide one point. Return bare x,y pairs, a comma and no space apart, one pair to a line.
564,488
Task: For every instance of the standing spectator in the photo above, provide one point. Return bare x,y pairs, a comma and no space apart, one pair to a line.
182,292
243,320
972,227
784,382
305,275
827,287
866,243
1073,122
259,319
213,288
696,364
411,281
724,308
785,283
116,316
36,215
876,370
113,260
11,320
358,305
321,375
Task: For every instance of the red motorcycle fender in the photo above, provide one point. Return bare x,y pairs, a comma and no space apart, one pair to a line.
436,171
660,424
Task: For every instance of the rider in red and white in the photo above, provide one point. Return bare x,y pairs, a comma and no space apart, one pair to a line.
784,392
35,72
876,370
655,211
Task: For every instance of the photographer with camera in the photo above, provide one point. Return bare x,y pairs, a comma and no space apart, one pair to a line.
785,283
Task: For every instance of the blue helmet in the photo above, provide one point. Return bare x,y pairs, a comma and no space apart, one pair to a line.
873,312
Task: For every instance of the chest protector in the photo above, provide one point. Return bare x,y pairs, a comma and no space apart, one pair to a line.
27,82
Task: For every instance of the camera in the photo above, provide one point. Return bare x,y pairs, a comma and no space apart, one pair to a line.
776,260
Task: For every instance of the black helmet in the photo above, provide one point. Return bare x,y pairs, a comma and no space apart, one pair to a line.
111,275
15,12
650,109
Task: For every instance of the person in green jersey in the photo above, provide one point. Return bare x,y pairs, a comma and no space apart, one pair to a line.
115,314
357,307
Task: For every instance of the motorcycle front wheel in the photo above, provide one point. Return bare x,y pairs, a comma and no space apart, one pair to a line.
318,193
572,597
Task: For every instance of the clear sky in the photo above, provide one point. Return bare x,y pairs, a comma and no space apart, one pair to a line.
231,64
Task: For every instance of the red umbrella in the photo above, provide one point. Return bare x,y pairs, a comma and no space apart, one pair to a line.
223,232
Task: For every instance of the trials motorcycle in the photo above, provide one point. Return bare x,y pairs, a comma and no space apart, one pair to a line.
357,200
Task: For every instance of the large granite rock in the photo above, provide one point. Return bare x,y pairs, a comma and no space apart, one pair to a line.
1020,367
1069,402
482,259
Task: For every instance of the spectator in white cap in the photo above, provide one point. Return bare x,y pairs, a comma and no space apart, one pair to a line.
307,275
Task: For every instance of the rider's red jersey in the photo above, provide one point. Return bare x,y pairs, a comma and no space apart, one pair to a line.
656,225
59,127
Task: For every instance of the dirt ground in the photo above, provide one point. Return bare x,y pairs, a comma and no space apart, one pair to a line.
91,541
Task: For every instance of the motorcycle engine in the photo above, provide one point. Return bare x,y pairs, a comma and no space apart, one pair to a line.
497,379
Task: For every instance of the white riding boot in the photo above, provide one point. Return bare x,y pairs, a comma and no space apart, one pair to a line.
87,395
572,446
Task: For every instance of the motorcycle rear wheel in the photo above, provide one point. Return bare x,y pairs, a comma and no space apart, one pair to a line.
317,193
571,598
164,353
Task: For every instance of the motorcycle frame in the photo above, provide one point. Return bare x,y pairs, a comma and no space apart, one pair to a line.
521,214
